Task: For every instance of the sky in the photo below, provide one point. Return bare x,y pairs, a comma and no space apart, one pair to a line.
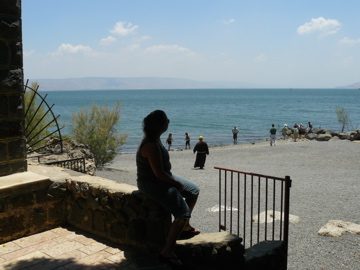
277,43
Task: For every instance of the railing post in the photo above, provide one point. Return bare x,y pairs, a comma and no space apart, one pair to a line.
286,214
220,192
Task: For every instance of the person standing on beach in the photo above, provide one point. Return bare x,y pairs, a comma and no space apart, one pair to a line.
284,131
272,135
187,140
169,141
309,128
202,150
235,132
295,132
156,181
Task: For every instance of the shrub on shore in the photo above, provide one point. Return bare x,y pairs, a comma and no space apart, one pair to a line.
343,117
96,129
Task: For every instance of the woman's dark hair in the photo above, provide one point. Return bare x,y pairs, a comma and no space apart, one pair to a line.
154,122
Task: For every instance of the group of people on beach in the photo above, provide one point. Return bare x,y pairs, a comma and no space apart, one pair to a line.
170,139
296,131
201,148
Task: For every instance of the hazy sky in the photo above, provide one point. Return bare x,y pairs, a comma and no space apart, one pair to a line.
267,43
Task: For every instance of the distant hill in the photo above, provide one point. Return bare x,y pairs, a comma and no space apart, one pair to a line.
110,83
354,85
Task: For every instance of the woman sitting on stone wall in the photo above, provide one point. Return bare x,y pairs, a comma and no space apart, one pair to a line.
155,180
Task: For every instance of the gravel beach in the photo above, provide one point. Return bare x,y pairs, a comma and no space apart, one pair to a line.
325,186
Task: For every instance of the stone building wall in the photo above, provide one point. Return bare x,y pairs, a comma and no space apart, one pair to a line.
12,139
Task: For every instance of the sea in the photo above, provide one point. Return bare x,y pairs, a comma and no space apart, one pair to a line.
212,113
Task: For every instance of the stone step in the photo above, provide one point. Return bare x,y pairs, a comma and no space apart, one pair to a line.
220,250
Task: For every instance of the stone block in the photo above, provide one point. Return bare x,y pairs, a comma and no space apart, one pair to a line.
2,206
11,7
118,230
16,106
5,169
38,217
18,166
21,201
92,203
104,200
41,197
11,81
12,225
87,220
131,210
11,129
84,190
211,251
109,216
3,151
118,202
98,221
4,54
76,214
10,28
16,54
82,203
17,149
4,111
267,255
121,216
57,191
57,213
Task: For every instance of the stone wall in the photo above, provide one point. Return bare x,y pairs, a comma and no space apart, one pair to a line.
12,140
30,203
119,215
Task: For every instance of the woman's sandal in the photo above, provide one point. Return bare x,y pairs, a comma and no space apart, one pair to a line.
189,233
172,261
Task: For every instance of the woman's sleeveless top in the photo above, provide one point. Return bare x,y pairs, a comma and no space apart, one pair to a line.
144,171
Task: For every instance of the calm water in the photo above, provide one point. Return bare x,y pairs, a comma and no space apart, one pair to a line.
213,113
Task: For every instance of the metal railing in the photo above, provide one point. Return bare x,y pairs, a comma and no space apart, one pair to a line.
254,206
76,164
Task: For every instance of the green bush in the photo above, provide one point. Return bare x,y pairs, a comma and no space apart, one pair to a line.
343,117
96,129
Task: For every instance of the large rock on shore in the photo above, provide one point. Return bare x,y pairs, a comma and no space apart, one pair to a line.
324,137
311,136
355,135
344,135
